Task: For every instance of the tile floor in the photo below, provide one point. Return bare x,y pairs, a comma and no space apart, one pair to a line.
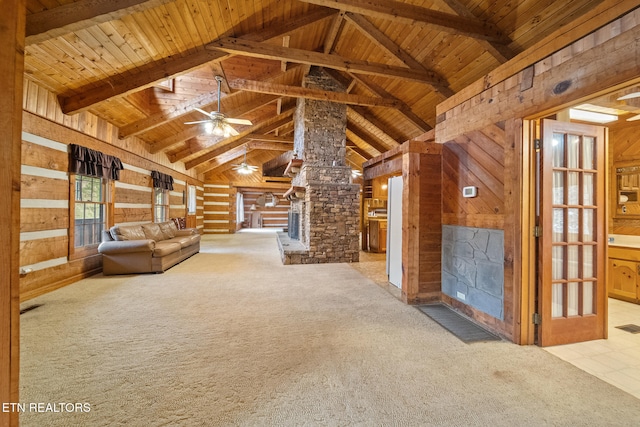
615,360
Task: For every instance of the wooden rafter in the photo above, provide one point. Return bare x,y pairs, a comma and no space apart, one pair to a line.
158,71
404,108
237,140
194,131
278,53
415,15
501,51
158,119
203,101
358,116
360,139
385,43
301,92
334,31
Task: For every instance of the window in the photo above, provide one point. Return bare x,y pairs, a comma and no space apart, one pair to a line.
160,205
90,213
192,200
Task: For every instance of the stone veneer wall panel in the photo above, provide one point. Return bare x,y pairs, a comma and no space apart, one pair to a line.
473,267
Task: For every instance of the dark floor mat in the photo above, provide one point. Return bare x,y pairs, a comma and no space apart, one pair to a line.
458,325
634,329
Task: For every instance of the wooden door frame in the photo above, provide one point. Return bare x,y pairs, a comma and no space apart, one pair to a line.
529,243
12,34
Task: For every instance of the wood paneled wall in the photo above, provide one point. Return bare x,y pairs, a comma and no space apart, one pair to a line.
474,159
45,195
270,217
219,208
624,150
491,160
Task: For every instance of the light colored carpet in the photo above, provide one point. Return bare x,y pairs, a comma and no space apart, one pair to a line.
233,337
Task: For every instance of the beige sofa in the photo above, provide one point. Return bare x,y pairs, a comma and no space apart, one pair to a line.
146,248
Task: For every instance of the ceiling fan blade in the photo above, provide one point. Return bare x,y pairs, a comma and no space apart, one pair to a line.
203,112
634,118
195,123
231,131
238,121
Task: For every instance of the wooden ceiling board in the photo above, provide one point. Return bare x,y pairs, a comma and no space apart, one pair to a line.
89,61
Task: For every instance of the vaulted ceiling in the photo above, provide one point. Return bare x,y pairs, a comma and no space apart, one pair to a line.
144,66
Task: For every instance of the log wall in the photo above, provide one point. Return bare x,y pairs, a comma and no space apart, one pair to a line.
45,195
219,208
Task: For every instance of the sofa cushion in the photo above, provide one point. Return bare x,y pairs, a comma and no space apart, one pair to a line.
168,229
127,232
165,248
153,231
185,241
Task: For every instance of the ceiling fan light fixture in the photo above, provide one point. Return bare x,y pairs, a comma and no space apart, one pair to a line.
244,169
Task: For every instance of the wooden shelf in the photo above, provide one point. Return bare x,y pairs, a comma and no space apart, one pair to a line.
293,167
295,193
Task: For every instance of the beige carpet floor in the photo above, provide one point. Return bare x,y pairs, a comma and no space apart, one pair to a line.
231,337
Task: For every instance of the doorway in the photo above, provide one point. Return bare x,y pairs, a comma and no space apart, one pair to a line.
564,259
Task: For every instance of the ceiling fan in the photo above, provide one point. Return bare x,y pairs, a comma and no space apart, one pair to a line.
244,168
631,95
217,123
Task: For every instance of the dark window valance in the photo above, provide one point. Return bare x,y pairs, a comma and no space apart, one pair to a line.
85,161
162,180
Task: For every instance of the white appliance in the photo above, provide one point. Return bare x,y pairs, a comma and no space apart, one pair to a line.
394,231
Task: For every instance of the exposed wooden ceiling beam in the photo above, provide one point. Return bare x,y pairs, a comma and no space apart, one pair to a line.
79,15
334,31
204,102
404,109
385,43
195,130
359,151
158,119
358,116
269,146
278,53
235,141
360,139
363,144
501,51
269,138
415,15
322,95
158,71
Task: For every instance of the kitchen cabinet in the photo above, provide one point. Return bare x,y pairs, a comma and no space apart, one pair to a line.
624,274
377,235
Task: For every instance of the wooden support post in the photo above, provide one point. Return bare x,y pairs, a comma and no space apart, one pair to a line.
12,30
421,222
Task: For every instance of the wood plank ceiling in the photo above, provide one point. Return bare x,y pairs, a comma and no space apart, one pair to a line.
144,66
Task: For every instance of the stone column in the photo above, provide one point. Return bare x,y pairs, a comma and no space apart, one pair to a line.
329,213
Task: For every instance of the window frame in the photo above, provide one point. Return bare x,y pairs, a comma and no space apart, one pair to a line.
107,201
155,205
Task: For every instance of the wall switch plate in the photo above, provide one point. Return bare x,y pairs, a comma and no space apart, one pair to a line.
470,191
460,295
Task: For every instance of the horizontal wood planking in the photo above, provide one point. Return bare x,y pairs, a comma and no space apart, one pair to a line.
217,215
45,197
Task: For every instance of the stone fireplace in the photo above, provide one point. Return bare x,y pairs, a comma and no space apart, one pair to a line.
328,209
